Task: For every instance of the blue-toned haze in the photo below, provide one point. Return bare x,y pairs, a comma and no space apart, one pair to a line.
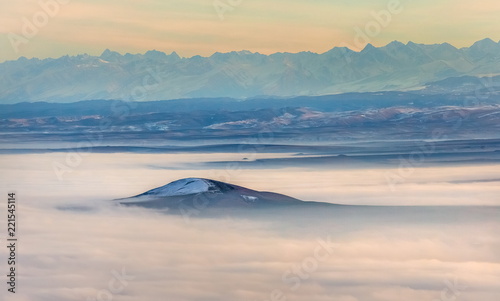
384,114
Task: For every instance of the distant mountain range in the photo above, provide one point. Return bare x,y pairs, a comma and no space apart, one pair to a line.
158,76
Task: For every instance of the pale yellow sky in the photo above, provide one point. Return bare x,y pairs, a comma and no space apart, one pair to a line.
203,27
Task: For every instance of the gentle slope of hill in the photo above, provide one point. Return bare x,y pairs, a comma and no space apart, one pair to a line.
200,194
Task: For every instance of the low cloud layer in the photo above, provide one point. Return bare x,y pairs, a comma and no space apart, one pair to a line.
71,255
92,250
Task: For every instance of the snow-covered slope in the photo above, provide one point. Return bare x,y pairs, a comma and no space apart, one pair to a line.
185,187
156,75
198,194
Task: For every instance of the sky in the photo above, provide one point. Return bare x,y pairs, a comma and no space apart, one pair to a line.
53,28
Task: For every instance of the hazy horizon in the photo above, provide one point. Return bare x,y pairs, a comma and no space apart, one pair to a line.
198,27
239,50
294,174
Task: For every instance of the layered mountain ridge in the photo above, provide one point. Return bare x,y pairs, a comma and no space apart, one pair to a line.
158,76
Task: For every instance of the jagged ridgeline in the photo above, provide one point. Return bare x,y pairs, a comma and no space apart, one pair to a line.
158,76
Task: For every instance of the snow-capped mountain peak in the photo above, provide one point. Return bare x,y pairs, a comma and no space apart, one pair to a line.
243,74
198,192
188,186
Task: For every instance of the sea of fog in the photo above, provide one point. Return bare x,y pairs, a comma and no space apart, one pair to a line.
419,232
